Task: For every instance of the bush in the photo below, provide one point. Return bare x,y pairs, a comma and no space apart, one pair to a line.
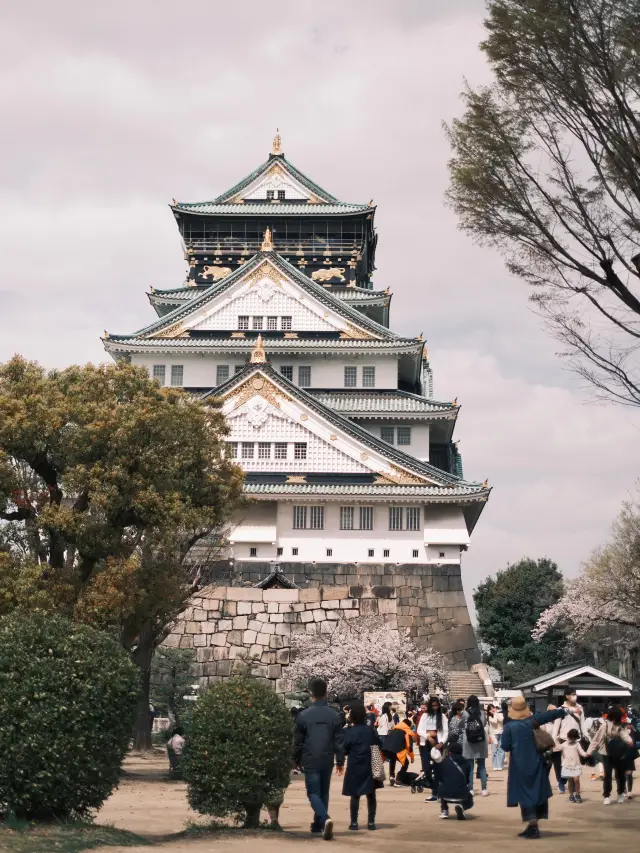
238,750
67,700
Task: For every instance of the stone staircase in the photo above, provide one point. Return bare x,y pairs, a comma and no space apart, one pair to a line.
464,684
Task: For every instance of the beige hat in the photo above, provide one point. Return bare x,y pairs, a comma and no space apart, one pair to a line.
519,710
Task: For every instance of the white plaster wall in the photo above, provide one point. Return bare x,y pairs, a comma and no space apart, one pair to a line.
419,446
199,370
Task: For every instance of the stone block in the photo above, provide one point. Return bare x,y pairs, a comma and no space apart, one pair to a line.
268,627
214,592
224,667
289,618
309,594
461,616
221,653
255,651
237,652
200,640
333,615
349,604
298,607
192,627
335,592
368,607
178,628
307,616
218,640
327,627
172,641
212,605
234,638
283,656
272,607
314,605
263,639
274,670
319,615
445,613
404,621
249,637
281,595
276,642
240,623
285,607
282,630
187,614
244,593
210,668
261,618
244,608
386,605
450,598
203,655
356,591
334,604
278,617
199,615
209,627
350,614
258,607
186,641
282,685
254,625
196,670
225,625
230,608
312,627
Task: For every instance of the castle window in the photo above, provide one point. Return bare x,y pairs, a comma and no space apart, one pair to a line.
329,552
247,450
404,436
300,450
177,375
371,552
285,323
304,377
272,323
415,555
368,377
264,450
270,194
387,434
287,371
279,552
366,518
350,377
299,518
257,323
413,518
222,373
346,518
441,554
294,552
253,552
159,373
316,516
243,322
386,552
396,515
281,195
232,449
281,450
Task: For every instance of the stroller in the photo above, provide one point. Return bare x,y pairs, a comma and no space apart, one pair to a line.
394,744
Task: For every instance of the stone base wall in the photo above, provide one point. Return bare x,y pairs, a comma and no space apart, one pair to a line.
230,621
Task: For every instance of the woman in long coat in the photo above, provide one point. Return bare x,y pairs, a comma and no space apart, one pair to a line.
358,778
528,783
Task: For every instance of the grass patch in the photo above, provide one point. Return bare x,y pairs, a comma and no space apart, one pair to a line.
63,837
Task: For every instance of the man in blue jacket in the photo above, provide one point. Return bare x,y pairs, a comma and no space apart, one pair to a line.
319,740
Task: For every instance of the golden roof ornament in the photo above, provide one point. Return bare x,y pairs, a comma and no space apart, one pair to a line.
275,149
258,356
485,484
267,242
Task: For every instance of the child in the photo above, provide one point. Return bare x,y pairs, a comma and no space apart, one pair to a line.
175,746
452,779
572,752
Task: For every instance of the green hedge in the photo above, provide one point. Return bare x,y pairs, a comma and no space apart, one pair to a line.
238,749
67,701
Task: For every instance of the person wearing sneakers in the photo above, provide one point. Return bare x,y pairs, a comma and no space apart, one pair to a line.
612,741
433,730
451,772
475,742
571,754
528,780
319,738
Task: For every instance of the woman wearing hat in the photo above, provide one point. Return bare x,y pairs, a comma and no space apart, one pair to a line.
528,782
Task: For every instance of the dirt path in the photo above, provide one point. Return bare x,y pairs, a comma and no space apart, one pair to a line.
149,804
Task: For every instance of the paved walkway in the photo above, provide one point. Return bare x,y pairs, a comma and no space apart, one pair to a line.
155,808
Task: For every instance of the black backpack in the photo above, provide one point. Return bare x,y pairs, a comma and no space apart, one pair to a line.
474,728
616,748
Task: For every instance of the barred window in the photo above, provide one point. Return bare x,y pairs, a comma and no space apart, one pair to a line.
368,377
272,323
222,373
386,552
329,552
281,195
159,373
270,195
281,450
395,518
371,552
366,518
285,324
294,552
387,434
413,518
247,450
232,450
415,555
243,321
177,374
264,450
287,371
316,514
350,377
253,552
300,450
256,322
304,377
404,436
299,518
279,552
346,518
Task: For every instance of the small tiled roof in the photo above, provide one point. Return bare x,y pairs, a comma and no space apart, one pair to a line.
364,402
212,208
133,343
360,294
473,491
288,167
320,293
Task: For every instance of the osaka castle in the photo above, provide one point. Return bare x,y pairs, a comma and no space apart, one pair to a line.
354,477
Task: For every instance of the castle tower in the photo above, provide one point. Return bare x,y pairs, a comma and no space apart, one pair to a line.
355,479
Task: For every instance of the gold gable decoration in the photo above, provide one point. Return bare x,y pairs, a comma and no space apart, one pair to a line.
277,143
257,386
267,243
353,333
258,355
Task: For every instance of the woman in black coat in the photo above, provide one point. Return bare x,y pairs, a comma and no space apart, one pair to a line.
358,778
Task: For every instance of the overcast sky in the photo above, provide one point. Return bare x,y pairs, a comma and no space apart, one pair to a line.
111,110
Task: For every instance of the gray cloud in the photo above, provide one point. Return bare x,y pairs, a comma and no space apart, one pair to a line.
110,110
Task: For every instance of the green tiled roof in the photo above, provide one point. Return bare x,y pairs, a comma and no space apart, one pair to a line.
288,167
473,491
212,208
126,343
356,402
322,294
360,294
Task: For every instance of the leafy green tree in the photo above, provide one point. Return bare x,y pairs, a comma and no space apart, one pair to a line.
546,167
239,750
508,608
106,483
171,681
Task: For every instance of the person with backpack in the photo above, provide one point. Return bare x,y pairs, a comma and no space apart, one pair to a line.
432,730
451,772
612,741
475,743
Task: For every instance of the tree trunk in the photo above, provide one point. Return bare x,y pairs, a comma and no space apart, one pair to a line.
144,723
252,820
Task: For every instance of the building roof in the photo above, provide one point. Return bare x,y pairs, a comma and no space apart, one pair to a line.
132,343
379,402
267,208
346,294
320,293
572,672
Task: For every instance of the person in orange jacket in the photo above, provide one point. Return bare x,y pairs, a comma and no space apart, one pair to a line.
399,746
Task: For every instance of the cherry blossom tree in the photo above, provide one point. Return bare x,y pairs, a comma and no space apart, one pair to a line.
601,609
365,654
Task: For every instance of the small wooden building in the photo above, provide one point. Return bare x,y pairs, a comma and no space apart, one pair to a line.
594,687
